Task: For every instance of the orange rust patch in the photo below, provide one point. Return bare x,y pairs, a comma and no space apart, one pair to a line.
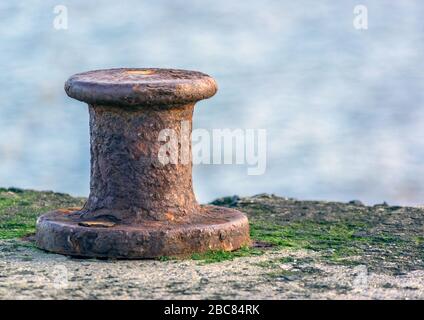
140,72
169,216
75,208
69,210
97,224
227,246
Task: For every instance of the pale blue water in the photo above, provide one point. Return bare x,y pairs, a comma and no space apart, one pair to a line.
343,108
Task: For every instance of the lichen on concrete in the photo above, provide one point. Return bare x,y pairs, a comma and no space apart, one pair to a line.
303,249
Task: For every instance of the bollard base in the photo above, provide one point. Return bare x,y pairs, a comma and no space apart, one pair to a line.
213,228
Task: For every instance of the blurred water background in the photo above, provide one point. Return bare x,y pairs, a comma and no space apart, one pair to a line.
343,108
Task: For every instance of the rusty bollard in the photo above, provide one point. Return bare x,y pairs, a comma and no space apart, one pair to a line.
138,206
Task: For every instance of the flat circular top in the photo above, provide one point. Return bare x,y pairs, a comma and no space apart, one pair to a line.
140,86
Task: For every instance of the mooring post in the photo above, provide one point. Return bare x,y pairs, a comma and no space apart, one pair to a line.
139,205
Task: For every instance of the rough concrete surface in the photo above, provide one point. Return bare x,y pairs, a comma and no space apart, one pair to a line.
30,274
305,250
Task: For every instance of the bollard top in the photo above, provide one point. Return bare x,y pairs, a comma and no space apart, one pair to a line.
140,86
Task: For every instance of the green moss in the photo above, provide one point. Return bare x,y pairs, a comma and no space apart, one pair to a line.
19,209
287,260
221,255
166,258
418,240
311,235
336,241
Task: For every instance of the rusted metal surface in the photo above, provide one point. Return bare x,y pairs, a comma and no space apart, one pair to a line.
139,207
135,87
127,179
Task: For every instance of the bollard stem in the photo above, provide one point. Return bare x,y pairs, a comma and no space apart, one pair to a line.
128,180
